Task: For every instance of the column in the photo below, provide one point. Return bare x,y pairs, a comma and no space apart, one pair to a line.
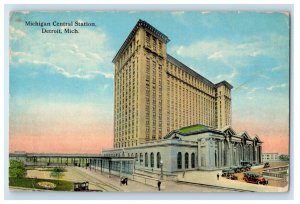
199,153
109,168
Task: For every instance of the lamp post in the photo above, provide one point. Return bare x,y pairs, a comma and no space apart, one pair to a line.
161,169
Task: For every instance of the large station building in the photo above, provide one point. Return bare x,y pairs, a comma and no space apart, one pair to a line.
166,112
155,93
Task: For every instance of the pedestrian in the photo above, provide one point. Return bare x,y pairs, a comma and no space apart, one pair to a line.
218,176
158,184
183,174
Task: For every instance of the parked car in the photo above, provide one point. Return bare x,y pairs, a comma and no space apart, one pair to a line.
246,163
232,177
247,167
267,165
81,186
237,169
252,177
226,172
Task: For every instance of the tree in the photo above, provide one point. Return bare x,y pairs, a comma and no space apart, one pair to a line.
284,157
57,172
17,169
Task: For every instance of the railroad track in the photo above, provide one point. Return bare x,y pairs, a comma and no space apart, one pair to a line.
105,187
215,187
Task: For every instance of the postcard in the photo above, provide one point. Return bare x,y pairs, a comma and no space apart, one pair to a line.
140,101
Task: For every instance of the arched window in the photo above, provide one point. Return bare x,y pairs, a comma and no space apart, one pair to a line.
141,158
193,160
179,160
152,159
136,157
158,159
146,160
186,160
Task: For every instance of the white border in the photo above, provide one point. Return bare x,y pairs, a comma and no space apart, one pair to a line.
210,5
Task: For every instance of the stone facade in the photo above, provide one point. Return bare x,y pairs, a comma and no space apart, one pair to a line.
203,149
155,93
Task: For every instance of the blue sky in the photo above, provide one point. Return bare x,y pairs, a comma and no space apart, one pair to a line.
248,49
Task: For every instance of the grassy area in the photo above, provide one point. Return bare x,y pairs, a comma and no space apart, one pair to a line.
33,183
192,128
48,169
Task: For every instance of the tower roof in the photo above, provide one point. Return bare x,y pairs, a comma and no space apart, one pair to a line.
138,25
225,83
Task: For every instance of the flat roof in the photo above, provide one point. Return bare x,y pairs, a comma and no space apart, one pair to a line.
139,24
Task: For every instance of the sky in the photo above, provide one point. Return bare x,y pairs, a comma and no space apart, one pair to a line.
61,85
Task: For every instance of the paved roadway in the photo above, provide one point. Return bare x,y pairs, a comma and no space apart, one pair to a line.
210,178
133,186
194,181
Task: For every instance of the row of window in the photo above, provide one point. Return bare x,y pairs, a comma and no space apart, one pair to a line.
126,103
151,42
179,73
186,160
187,104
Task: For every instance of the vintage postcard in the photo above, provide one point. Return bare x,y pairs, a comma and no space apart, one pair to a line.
132,101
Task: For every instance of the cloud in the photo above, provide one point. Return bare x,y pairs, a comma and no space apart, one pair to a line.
263,76
16,34
253,90
250,94
234,52
229,77
278,68
205,12
177,13
83,56
219,50
277,86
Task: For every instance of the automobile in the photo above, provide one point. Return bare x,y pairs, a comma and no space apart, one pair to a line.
226,172
232,177
267,165
236,169
243,168
247,167
252,177
245,163
81,186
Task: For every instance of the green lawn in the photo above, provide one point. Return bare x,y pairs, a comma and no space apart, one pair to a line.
32,183
192,128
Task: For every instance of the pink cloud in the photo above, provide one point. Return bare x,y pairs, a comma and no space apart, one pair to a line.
275,135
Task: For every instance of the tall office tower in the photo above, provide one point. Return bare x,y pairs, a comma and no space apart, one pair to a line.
155,93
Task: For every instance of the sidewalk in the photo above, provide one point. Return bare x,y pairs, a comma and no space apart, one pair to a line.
210,178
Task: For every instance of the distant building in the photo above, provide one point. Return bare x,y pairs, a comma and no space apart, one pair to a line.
155,93
267,157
